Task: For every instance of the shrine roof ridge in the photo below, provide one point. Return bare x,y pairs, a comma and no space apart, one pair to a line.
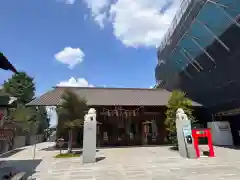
101,96
112,88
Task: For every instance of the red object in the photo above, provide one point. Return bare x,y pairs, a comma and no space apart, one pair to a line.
1,116
6,133
198,133
146,129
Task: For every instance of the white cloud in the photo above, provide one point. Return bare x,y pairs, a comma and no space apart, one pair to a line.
100,19
70,56
136,22
73,82
70,1
98,10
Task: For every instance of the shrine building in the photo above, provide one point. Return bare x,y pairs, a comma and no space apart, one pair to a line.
125,116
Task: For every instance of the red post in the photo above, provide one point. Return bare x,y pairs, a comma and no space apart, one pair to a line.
197,133
210,143
195,140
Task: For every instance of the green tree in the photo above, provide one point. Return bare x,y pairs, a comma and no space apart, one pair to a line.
177,100
25,116
71,113
42,119
20,86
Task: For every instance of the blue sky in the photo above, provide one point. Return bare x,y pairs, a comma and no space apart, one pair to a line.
84,42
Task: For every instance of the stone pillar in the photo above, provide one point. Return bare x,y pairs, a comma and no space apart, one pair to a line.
89,137
184,133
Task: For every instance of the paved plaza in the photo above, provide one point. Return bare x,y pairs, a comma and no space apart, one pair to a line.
138,163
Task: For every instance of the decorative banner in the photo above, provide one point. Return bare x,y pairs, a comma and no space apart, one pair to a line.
117,114
119,111
126,114
134,113
146,128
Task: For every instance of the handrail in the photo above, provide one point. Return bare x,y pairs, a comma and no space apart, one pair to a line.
183,7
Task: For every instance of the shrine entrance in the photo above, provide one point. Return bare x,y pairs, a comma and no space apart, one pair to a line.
129,126
121,131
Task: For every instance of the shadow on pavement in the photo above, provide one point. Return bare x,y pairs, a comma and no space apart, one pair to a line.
100,159
54,148
77,152
51,148
10,153
15,166
173,148
229,147
132,146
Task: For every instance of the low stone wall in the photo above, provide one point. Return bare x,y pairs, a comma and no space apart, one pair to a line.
19,141
53,137
36,139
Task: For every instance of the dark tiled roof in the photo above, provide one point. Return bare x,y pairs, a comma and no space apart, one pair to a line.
2,93
108,96
4,98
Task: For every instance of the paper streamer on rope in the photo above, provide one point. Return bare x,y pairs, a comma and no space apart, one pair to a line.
118,111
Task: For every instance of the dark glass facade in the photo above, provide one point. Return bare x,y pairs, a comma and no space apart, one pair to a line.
201,55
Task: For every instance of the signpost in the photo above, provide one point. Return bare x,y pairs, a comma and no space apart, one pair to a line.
60,143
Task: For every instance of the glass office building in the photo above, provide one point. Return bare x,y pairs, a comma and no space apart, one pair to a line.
200,53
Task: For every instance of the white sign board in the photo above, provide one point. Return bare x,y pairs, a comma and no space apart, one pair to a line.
221,133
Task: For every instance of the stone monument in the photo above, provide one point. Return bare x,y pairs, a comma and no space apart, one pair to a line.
89,137
184,135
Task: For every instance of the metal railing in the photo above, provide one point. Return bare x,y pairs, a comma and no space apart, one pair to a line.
166,39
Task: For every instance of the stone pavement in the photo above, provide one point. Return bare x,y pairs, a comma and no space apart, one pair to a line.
138,163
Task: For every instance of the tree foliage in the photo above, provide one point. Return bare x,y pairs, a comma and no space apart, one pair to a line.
177,100
20,86
42,119
25,116
31,119
72,109
71,113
